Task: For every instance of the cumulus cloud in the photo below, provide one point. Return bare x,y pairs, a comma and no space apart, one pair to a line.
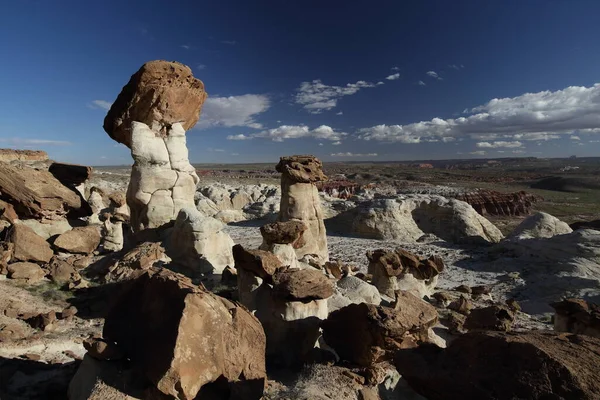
316,97
456,67
100,105
478,153
498,144
532,116
348,154
339,113
185,46
233,111
241,136
200,66
518,151
421,83
395,69
393,77
336,143
284,132
574,137
433,74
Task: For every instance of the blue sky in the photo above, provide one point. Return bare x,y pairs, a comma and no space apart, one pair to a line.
344,80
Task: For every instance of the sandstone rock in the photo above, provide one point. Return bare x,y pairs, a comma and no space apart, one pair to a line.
160,91
46,228
577,316
199,242
335,269
259,262
462,305
498,365
229,276
229,216
190,336
290,232
491,202
365,333
6,254
300,201
402,270
102,350
540,225
82,240
61,271
44,321
409,217
112,235
358,291
162,179
70,175
37,194
137,260
28,246
27,271
7,212
496,317
303,284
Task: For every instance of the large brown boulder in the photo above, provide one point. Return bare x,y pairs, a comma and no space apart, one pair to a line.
500,365
261,263
26,271
137,260
365,333
70,174
577,316
37,194
160,91
183,338
491,202
81,240
302,169
302,285
28,245
289,232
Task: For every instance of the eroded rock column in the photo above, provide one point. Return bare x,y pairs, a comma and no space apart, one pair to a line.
300,201
150,116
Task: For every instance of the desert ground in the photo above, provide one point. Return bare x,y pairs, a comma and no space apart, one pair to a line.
47,321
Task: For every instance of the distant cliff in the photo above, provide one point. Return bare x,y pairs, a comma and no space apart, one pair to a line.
8,155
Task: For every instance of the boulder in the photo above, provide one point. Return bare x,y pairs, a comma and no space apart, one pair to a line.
364,334
38,194
70,175
229,216
540,225
160,91
498,365
199,242
46,228
409,217
61,271
7,212
402,270
28,246
137,260
577,316
80,240
290,232
302,284
491,202
9,155
300,201
26,271
191,337
496,318
6,254
358,291
259,262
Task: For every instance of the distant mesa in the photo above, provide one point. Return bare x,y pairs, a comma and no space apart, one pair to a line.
8,155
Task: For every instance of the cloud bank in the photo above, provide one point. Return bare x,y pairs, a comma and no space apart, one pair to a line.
284,132
316,97
233,111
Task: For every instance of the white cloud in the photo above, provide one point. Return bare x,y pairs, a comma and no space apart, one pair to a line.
532,116
340,113
478,153
518,151
316,97
200,66
353,155
395,69
379,83
574,137
336,143
235,154
456,67
320,144
284,132
495,145
594,141
100,105
393,77
433,74
421,83
215,150
185,46
233,111
22,142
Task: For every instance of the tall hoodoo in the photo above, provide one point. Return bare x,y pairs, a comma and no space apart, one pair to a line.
150,116
300,201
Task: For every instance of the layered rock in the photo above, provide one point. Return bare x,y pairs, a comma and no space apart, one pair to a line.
253,268
365,333
136,261
183,338
499,365
577,316
282,239
540,225
150,116
82,240
71,175
300,201
38,194
28,246
199,242
402,270
409,217
491,202
8,155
